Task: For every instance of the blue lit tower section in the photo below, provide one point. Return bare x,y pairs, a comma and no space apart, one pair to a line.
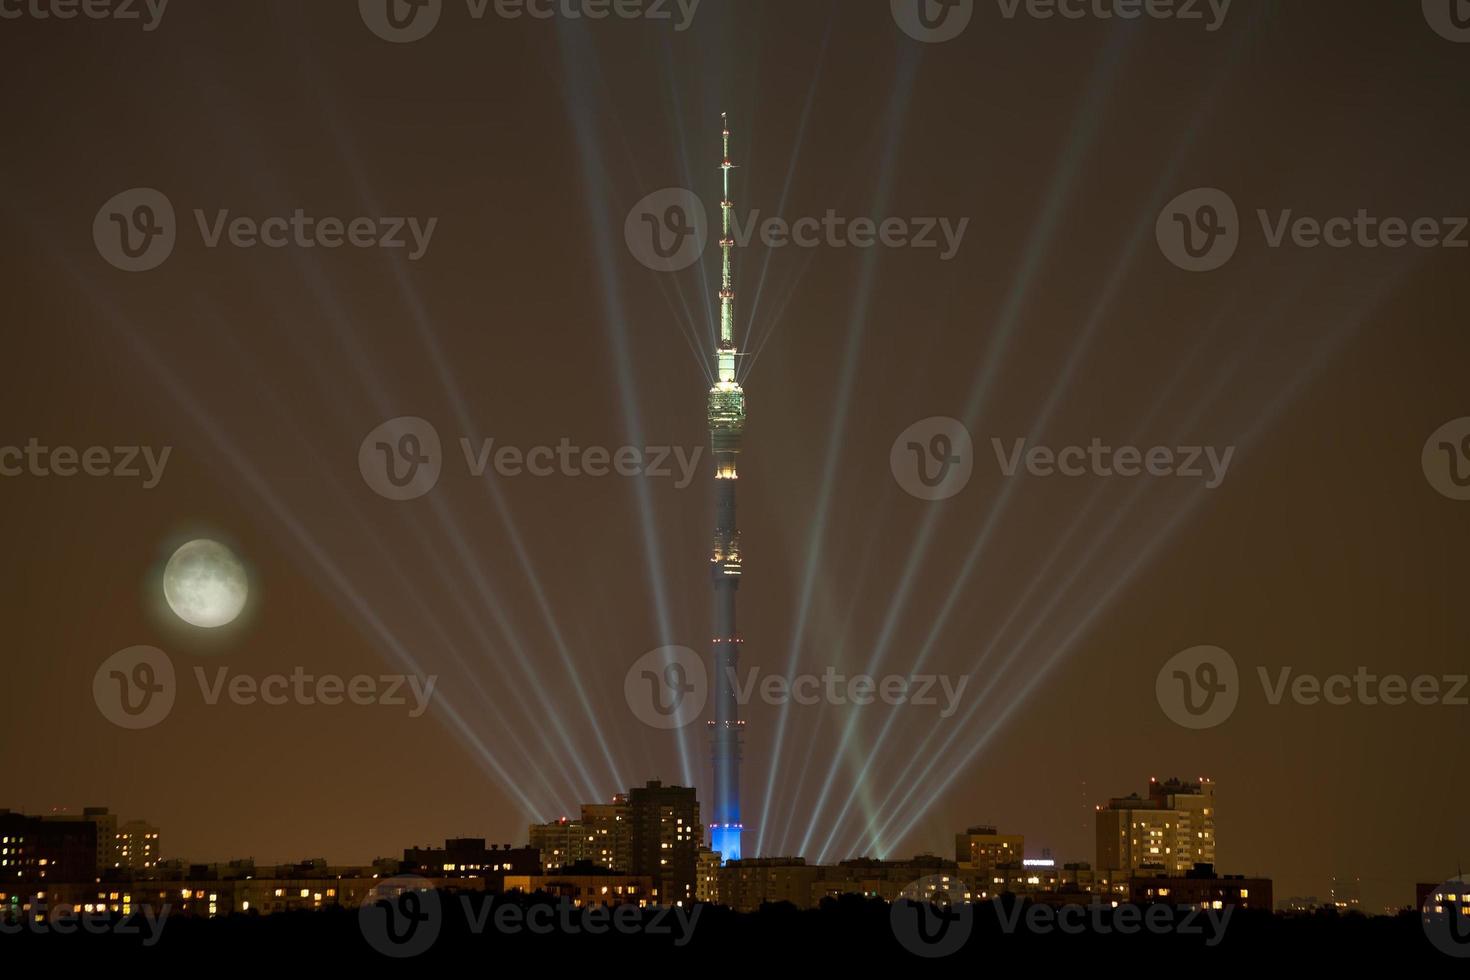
726,423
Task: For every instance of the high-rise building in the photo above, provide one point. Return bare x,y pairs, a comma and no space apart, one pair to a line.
666,838
1195,804
130,846
602,835
561,843
609,833
106,823
652,830
135,845
108,844
979,850
37,849
1171,831
707,883
726,425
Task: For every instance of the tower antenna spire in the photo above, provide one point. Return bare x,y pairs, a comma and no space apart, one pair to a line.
726,430
727,352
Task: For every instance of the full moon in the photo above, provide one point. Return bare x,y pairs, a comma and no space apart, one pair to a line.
205,584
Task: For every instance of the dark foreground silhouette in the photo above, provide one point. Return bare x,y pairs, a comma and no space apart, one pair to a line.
438,929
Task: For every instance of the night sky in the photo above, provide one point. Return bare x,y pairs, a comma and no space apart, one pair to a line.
528,320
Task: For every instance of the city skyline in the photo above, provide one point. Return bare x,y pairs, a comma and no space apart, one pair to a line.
1172,833
1110,424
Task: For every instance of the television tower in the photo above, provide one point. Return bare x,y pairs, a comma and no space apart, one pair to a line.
726,423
